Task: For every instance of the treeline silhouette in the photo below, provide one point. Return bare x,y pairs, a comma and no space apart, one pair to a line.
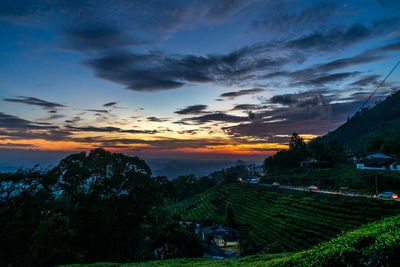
93,207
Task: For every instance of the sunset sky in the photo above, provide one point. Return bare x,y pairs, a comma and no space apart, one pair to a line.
188,79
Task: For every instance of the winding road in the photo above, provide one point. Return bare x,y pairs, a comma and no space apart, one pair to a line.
324,191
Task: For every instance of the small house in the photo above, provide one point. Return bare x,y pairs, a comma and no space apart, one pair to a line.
377,161
226,237
221,241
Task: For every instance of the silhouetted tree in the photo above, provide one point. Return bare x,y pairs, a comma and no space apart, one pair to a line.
290,158
99,206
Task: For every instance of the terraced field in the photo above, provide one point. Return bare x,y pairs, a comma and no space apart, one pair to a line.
295,219
376,244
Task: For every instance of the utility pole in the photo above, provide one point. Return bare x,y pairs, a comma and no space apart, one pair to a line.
376,184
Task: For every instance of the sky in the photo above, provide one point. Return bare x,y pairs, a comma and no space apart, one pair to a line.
188,79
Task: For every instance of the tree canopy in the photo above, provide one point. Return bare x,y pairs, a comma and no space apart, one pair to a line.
96,206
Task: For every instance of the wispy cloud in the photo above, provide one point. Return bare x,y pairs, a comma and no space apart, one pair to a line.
33,101
242,92
110,104
194,109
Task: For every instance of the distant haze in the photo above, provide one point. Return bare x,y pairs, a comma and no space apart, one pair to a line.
13,159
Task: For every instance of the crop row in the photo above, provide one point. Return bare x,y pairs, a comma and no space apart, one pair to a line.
296,221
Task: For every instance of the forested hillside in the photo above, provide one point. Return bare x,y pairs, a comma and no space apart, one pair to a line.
381,122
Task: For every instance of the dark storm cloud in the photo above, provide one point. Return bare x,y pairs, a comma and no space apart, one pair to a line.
110,104
33,101
242,92
195,109
156,71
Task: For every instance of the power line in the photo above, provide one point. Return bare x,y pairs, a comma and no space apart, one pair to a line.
370,96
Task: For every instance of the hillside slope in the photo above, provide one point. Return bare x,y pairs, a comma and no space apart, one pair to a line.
375,244
383,120
297,220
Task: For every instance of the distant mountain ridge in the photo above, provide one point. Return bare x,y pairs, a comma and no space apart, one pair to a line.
382,120
173,168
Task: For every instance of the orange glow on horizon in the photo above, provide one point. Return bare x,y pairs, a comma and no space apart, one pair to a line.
233,149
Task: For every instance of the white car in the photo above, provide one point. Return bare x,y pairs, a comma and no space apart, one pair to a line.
275,184
388,195
313,187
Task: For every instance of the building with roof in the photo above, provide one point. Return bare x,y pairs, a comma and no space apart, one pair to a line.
379,162
221,241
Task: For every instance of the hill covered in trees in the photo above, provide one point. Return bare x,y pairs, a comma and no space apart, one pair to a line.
371,130
91,207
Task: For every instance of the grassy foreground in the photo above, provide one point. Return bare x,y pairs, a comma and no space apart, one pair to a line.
375,244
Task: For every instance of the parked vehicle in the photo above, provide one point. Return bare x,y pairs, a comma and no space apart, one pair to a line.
313,187
275,184
388,195
344,189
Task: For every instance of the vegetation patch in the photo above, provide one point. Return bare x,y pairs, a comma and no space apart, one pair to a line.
375,244
296,220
